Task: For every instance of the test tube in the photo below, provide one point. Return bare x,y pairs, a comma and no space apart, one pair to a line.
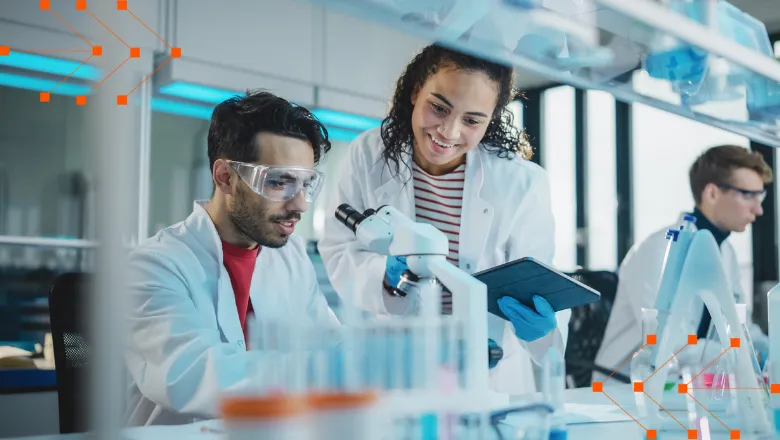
553,384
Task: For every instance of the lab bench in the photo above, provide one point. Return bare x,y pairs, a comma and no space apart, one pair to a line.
622,394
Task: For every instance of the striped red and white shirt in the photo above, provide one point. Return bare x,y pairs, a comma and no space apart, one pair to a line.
438,201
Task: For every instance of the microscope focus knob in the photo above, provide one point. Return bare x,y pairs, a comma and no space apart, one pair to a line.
495,353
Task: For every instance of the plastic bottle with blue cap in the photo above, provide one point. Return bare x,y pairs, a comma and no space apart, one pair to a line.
689,223
679,241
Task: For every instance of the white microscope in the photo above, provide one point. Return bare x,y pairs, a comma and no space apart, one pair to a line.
386,231
693,269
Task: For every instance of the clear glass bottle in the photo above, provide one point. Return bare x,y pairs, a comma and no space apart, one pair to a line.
747,344
641,363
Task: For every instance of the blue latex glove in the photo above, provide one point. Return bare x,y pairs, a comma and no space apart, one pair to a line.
529,324
394,267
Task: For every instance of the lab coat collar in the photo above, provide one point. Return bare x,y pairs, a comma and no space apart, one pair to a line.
205,230
397,191
477,212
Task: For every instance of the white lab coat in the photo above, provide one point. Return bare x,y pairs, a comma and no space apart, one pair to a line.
639,277
186,345
506,215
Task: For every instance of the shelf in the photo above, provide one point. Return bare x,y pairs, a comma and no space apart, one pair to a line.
701,59
46,242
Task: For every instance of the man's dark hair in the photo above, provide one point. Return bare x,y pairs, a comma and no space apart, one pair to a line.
237,121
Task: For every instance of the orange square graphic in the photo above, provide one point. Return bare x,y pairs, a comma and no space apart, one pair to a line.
121,6
5,51
774,388
176,52
734,342
651,339
81,100
639,387
652,433
45,5
97,51
692,339
693,434
135,52
121,100
598,387
45,96
682,388
734,434
81,5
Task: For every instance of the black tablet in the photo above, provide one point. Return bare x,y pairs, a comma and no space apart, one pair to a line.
522,279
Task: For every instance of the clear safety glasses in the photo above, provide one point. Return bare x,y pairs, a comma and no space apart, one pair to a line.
746,194
279,183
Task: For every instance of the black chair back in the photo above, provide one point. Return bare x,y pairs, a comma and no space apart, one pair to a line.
586,329
69,315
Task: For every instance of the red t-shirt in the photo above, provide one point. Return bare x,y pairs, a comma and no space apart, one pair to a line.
240,265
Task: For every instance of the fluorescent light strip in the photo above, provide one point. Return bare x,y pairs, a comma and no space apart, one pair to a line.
41,85
204,112
213,95
197,92
162,105
341,135
53,66
182,108
346,120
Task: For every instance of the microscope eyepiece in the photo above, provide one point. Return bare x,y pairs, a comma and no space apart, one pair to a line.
349,216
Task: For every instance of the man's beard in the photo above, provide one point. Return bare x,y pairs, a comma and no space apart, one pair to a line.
255,224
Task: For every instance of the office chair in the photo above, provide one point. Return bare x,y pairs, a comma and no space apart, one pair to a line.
586,329
69,315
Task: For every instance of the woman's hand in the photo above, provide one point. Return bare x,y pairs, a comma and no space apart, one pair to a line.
529,324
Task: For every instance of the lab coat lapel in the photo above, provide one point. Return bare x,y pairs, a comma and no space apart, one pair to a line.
227,312
397,191
476,215
225,301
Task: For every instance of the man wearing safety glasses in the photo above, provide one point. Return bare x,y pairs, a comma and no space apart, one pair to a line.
727,183
196,284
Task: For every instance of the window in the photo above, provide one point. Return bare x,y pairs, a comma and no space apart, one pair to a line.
558,159
664,147
516,107
179,170
601,181
46,191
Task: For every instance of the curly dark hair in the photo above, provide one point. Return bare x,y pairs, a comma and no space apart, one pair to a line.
236,121
501,138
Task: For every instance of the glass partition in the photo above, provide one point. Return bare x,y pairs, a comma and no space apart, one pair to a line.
46,199
669,143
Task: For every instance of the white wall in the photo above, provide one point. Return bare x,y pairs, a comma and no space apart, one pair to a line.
352,63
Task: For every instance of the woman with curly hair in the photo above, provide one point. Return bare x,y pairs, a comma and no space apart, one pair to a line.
449,155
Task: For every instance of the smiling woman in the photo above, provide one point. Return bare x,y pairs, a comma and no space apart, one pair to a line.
445,104
449,155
